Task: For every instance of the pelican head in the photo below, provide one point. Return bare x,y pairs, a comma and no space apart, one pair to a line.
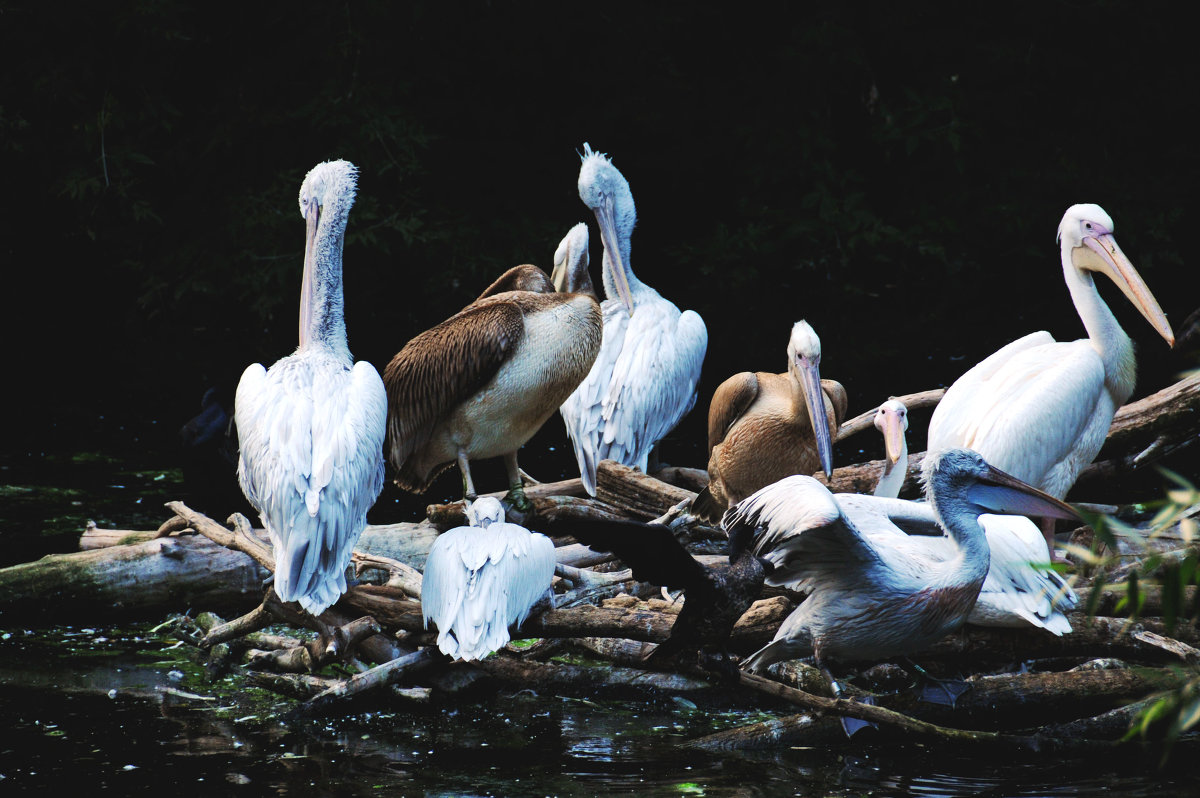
804,360
891,419
485,511
571,263
606,191
1086,237
326,194
971,486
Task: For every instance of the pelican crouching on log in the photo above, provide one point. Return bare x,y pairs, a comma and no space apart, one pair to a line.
483,578
763,427
1022,588
1040,409
311,427
644,379
870,598
482,382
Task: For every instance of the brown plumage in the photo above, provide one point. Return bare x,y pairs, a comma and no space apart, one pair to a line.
525,277
482,382
760,428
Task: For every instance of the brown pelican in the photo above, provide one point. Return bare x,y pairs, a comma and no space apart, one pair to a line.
1038,408
715,598
763,427
311,427
1021,588
644,379
482,382
483,578
525,277
571,263
870,598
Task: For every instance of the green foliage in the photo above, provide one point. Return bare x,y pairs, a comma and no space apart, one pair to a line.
1177,711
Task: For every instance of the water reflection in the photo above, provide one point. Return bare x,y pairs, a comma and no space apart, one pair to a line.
114,710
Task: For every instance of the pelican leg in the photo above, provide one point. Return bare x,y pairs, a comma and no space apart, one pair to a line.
464,466
933,690
1047,525
850,725
516,487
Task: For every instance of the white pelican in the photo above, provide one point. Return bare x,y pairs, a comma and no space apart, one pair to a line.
311,427
571,262
763,427
644,380
868,597
483,578
1021,588
482,382
1040,409
891,419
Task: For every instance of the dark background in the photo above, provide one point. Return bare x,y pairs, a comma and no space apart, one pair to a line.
893,174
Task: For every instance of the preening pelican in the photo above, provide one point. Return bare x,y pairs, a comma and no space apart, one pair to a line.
869,599
483,578
571,263
525,277
644,379
311,427
1021,587
482,382
1040,409
715,598
763,427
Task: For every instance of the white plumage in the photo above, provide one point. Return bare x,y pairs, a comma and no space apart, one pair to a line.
873,596
483,578
311,427
1021,585
644,379
1040,409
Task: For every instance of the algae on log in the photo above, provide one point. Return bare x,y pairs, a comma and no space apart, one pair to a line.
151,577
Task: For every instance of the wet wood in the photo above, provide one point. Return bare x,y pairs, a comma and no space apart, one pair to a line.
580,680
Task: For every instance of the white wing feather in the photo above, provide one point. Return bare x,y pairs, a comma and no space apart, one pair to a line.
1032,409
642,383
479,582
1021,586
311,435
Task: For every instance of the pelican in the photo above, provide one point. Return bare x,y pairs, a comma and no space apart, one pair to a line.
644,379
571,263
763,427
1021,587
482,382
891,419
715,598
868,597
483,578
311,427
1038,408
525,277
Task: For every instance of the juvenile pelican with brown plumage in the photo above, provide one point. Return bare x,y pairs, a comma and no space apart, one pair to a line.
482,382
763,427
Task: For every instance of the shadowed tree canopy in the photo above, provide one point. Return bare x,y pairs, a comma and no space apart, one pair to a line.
894,175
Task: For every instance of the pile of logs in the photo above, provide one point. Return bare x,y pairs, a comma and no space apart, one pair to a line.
1028,688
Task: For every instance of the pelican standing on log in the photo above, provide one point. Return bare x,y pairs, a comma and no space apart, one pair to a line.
763,427
311,427
1022,588
482,382
868,598
644,380
1040,409
483,578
